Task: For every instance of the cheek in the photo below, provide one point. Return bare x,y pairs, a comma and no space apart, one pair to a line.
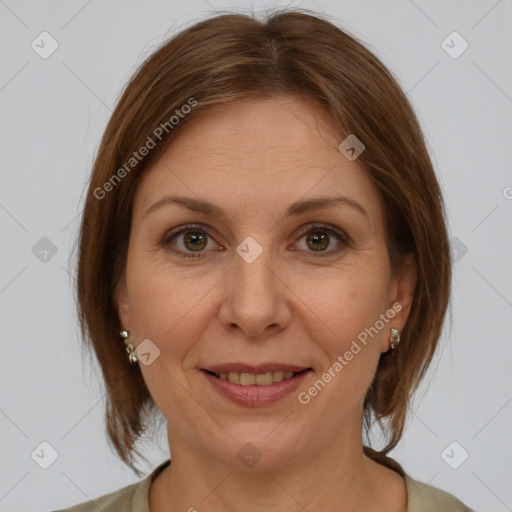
351,348
348,312
169,305
350,302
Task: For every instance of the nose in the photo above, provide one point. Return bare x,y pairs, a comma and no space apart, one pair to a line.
256,299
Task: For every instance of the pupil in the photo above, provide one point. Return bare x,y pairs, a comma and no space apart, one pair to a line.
194,238
319,237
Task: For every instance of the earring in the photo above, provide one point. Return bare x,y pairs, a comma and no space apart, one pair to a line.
394,338
132,356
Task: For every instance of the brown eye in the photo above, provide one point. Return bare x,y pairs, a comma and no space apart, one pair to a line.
195,240
318,239
186,241
191,241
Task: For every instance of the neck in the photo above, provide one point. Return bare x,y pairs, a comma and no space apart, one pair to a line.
340,478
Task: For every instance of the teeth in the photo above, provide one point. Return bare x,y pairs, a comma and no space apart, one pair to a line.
264,379
277,376
247,379
258,379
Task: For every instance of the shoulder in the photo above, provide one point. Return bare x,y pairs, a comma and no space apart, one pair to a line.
131,498
423,497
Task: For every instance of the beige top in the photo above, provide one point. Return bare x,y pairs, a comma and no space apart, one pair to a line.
135,498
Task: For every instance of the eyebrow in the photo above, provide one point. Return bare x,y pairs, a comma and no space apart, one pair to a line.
294,209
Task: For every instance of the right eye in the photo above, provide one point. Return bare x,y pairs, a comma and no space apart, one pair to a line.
190,240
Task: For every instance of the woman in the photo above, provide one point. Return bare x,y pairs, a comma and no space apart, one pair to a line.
265,235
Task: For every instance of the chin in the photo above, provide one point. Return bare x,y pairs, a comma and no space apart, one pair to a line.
261,446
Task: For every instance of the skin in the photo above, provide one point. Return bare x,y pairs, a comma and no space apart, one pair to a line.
253,159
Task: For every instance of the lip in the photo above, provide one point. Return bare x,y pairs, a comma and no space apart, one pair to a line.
255,395
259,368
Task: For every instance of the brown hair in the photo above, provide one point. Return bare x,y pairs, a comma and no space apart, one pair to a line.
226,59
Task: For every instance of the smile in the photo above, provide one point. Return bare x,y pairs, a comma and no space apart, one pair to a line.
258,379
255,388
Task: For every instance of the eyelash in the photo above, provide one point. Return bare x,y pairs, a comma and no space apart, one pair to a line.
339,235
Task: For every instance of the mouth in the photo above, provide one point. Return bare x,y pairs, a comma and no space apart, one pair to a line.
255,385
256,379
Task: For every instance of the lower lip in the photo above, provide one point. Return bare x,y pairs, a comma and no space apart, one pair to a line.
256,395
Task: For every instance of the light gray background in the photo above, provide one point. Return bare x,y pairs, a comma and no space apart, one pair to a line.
53,112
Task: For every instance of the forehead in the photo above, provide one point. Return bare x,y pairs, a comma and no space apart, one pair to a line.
255,154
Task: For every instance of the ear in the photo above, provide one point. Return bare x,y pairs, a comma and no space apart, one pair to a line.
401,295
122,304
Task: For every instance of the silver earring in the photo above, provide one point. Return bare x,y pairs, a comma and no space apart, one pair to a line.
394,338
132,356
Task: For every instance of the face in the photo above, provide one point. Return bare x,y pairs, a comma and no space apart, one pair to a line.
266,280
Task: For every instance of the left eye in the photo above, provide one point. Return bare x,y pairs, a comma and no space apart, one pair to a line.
319,239
194,240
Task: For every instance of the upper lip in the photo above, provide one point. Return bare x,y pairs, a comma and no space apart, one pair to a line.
250,368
